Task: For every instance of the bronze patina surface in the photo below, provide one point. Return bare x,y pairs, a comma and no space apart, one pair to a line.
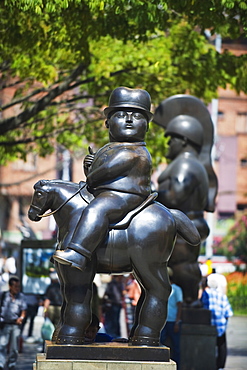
188,183
118,182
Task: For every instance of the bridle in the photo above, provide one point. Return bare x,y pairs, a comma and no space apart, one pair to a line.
61,206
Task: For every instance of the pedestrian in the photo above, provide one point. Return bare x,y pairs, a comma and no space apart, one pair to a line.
13,311
132,295
221,279
111,306
92,335
32,310
218,303
172,328
7,269
53,299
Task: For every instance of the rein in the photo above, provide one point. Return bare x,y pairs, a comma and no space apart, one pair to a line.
63,204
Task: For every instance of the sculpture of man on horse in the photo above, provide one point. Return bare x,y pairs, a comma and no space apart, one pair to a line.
118,175
111,224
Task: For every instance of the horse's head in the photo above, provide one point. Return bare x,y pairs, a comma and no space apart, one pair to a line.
39,203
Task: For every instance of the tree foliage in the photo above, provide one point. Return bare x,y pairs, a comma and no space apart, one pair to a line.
234,244
64,57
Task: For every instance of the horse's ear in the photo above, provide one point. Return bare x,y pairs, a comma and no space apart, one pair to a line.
40,183
43,182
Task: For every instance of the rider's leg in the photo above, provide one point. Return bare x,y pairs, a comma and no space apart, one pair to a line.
107,208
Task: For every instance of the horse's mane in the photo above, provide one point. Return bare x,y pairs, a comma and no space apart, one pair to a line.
42,183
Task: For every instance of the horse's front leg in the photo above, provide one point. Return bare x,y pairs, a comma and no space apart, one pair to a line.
78,297
60,322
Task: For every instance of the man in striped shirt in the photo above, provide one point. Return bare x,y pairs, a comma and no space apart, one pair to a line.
221,310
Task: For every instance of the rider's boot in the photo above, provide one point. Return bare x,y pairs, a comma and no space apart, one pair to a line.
74,255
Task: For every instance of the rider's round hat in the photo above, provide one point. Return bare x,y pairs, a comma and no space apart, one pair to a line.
124,97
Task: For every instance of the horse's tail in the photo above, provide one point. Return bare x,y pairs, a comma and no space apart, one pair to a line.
185,227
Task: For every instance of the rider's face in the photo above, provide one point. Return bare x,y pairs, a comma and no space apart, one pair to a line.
127,125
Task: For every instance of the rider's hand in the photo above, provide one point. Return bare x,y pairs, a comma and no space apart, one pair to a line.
88,160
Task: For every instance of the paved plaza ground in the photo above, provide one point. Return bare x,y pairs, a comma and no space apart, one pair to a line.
236,338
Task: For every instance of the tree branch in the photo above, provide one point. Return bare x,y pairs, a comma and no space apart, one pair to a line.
26,97
13,84
77,97
23,99
66,110
14,122
92,79
29,140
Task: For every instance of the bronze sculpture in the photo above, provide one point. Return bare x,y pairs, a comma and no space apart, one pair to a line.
189,182
140,241
118,175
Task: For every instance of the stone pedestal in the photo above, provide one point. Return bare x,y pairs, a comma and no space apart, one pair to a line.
196,316
44,364
104,356
198,340
106,352
197,346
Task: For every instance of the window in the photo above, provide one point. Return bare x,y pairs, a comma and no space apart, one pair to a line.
241,123
220,114
29,165
243,162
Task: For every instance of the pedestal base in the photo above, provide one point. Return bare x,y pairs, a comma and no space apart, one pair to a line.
42,363
197,316
104,356
197,347
113,351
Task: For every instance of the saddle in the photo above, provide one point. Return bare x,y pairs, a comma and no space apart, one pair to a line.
124,223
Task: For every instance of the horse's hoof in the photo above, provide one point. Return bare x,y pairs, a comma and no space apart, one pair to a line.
63,340
144,341
71,258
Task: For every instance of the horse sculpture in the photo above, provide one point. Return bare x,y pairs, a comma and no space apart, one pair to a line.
143,248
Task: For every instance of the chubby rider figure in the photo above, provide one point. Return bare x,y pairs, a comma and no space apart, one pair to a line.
118,175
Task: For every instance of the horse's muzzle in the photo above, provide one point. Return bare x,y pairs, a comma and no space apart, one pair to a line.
32,215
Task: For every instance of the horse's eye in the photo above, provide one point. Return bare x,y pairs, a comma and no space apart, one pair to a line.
39,194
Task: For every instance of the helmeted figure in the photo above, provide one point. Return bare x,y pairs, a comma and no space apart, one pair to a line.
118,175
189,182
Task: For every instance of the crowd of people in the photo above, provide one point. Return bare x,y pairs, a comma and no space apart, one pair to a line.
113,312
18,311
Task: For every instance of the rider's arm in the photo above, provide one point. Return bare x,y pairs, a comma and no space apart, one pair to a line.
112,168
